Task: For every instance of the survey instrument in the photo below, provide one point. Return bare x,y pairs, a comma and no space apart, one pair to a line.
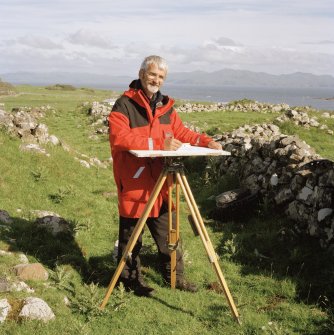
173,174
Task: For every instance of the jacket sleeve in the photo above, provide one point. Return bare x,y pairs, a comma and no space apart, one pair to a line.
186,135
122,138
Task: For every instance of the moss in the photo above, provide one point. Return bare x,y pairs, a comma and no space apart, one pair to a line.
16,307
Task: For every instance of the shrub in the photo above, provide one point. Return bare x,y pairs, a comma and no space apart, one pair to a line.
61,87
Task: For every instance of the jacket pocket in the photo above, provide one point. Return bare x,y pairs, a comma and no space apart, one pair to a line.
136,179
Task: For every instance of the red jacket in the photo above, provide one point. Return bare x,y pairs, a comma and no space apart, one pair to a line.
132,126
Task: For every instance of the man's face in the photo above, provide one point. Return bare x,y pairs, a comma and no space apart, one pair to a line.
152,79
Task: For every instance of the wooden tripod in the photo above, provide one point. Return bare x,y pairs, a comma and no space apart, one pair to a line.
173,171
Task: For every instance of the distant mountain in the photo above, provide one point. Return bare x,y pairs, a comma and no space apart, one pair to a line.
242,78
225,77
76,79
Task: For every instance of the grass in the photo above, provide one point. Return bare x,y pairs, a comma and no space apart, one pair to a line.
281,283
221,121
317,138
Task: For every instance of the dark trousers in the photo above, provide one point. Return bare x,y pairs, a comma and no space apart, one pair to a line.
158,228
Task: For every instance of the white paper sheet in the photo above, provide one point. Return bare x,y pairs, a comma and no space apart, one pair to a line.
185,150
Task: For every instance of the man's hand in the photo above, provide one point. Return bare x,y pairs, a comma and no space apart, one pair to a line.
172,144
215,145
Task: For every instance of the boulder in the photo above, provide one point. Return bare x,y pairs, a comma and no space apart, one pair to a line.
5,217
33,271
36,309
53,223
4,309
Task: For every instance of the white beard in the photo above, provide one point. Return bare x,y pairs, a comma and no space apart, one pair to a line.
152,89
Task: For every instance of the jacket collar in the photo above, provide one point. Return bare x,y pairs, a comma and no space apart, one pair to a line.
137,94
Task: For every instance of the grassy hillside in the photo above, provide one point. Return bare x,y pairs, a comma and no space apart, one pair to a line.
281,284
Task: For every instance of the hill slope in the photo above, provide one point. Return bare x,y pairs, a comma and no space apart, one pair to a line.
225,77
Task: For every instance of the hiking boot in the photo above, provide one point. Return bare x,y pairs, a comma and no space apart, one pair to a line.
138,287
184,285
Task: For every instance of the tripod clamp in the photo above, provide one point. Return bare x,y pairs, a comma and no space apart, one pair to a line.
173,164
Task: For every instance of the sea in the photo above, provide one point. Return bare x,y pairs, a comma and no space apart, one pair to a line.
319,98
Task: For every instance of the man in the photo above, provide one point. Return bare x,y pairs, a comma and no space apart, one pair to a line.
144,119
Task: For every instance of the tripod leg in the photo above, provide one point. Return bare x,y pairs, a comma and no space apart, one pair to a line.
177,195
206,241
195,218
197,213
135,235
172,242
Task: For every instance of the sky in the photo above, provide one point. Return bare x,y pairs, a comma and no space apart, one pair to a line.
113,37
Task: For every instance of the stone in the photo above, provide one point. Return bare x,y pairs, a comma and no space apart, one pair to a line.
33,271
313,229
304,193
314,123
67,301
5,253
54,224
327,179
36,309
330,233
4,285
274,179
32,147
96,162
53,140
323,213
23,259
297,183
5,217
298,212
4,309
84,163
41,213
251,182
285,195
41,132
21,286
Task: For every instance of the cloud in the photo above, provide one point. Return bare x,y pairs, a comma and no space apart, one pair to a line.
90,38
38,42
324,42
225,41
275,60
82,52
259,35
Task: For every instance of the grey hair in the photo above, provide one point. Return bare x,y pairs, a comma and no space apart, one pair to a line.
157,60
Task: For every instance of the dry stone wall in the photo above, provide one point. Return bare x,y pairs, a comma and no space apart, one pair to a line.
236,106
286,172
24,122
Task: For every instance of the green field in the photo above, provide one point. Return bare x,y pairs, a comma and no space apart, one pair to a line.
281,284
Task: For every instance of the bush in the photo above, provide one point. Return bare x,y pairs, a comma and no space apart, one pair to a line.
61,87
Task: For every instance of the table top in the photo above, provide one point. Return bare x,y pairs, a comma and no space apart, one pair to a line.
185,150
